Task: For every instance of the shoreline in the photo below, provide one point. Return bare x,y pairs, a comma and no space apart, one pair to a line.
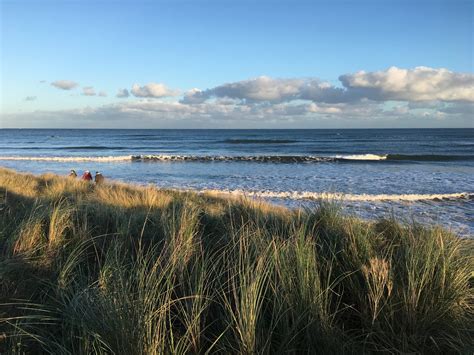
370,207
348,201
294,195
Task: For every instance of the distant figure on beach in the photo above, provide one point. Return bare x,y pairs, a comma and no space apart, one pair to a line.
87,176
99,178
72,174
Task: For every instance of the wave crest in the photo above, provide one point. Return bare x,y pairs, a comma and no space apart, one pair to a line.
252,158
71,159
247,158
362,157
309,195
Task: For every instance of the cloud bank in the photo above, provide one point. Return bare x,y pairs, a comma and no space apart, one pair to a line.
395,97
393,84
266,89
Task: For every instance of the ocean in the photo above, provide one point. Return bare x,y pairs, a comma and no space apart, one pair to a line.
425,175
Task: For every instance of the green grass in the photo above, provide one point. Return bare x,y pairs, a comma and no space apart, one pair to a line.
120,269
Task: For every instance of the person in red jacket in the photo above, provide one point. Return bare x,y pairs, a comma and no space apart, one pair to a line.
87,176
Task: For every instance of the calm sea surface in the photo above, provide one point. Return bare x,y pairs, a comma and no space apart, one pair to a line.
426,174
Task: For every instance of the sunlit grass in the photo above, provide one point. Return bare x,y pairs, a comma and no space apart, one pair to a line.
138,270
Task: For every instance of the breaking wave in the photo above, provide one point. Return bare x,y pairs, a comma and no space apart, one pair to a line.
406,157
260,158
247,158
177,158
74,148
361,157
71,159
252,158
308,195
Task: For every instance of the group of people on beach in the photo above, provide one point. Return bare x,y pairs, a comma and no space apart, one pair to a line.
87,176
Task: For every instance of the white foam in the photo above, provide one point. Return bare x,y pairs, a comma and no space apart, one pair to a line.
362,157
308,195
165,158
70,159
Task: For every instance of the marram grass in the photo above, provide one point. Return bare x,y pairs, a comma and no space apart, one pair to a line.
118,269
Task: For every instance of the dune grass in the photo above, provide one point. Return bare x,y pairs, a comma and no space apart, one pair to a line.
119,269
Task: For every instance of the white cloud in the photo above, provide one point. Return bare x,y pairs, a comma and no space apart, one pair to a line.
312,107
262,88
88,91
418,84
30,98
102,94
64,84
155,90
122,93
395,84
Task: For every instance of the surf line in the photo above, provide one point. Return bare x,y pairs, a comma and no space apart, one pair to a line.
308,195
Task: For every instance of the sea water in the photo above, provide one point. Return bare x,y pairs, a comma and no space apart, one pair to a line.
421,174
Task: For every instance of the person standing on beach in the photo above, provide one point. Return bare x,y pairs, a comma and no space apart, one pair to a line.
99,178
87,176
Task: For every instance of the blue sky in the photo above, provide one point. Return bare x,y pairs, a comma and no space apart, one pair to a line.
112,45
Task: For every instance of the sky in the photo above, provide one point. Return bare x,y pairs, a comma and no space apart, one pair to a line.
236,64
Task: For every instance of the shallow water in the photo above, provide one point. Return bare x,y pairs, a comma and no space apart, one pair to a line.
426,174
